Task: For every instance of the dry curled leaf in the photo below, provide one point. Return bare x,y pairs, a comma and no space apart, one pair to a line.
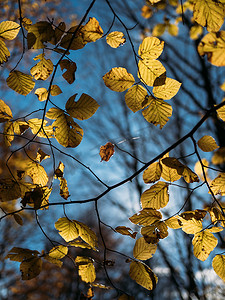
106,151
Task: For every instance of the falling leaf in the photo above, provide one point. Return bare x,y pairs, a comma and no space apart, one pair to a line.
106,151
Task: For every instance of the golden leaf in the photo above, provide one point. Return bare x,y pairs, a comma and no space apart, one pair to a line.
86,234
173,29
152,173
213,45
198,169
74,38
204,242
67,229
195,32
135,97
86,269
83,109
43,131
20,82
20,127
4,52
9,30
221,111
64,192
41,155
42,94
218,265
106,151
167,90
9,190
58,252
143,275
54,113
155,197
219,156
92,31
158,29
126,231
146,12
43,69
217,216
173,222
169,172
37,173
158,112
118,79
149,70
142,250
150,48
218,185
30,268
59,171
197,214
146,216
207,143
115,39
55,90
191,226
80,244
38,34
8,133
154,232
20,254
209,13
5,112
71,67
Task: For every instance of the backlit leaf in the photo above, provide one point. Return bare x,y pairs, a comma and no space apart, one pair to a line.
207,143
198,169
9,190
154,232
86,269
218,185
115,39
9,30
191,226
86,234
143,275
158,112
146,12
142,250
173,222
152,173
8,133
55,90
173,29
4,52
43,131
92,31
146,216
189,176
43,69
58,252
126,231
204,242
71,67
67,229
5,112
151,48
42,94
20,82
213,45
197,214
218,265
37,173
209,13
158,29
217,216
38,34
135,96
155,197
167,90
149,70
169,173
64,192
80,244
83,109
118,79
195,32
106,151
221,111
30,268
219,156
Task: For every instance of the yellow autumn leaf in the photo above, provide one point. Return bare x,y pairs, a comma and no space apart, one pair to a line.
143,275
41,155
126,231
53,260
221,111
43,131
55,90
167,90
9,30
189,176
213,45
169,172
83,109
195,32
86,234
198,169
173,222
158,29
54,113
73,39
197,214
38,34
152,173
67,229
146,12
64,192
37,173
4,52
146,216
158,112
219,156
58,252
71,67
20,254
217,216
8,133
209,13
173,29
142,250
191,226
20,82
135,96
9,190
67,132
149,70
86,269
42,94
80,244
118,79
155,197
43,69
5,112
92,31
218,265
154,232
204,242
115,39
218,185
207,143
150,48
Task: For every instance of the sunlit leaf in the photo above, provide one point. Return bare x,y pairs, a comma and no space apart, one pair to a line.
58,252
197,214
218,265
207,143
80,244
64,192
38,34
154,232
43,131
115,39
86,269
71,67
158,112
204,242
118,79
67,229
42,94
218,185
151,48
191,226
8,133
4,52
126,231
199,171
37,173
159,29
83,109
106,151
173,222
20,82
219,156
43,69
30,268
9,30
209,13
213,45
195,32
155,197
173,29
146,12
167,90
86,234
142,250
5,112
92,31
149,70
221,111
143,275
146,216
135,96
217,216
152,173
9,190
169,173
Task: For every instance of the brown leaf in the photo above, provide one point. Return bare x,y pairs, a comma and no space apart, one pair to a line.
106,151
